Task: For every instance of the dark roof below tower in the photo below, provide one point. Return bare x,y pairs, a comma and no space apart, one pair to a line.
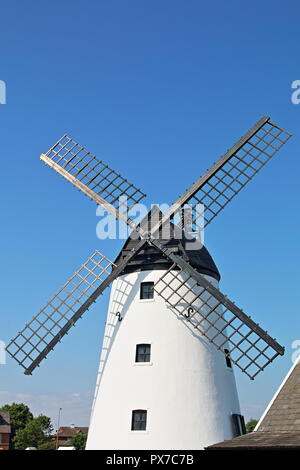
279,427
283,413
261,441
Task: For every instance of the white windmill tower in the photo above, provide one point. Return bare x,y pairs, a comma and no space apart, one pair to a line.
165,378
163,383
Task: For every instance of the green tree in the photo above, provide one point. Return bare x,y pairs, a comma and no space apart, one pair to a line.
48,445
36,432
79,441
251,425
20,415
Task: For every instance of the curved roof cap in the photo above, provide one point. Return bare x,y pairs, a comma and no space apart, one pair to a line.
150,258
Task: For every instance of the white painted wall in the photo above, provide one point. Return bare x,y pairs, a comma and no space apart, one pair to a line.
187,389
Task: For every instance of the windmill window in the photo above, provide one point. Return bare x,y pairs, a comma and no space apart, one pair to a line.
139,420
147,290
143,353
227,358
238,425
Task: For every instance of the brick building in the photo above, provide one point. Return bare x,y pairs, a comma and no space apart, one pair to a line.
65,434
5,430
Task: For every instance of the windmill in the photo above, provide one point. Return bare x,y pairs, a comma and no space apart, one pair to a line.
165,312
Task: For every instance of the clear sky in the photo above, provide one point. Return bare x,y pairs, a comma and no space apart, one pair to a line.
159,90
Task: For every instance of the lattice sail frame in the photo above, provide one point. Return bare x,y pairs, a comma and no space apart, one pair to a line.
105,186
94,177
58,313
247,345
225,179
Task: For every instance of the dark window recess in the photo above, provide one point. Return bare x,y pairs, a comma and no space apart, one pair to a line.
139,420
238,425
227,358
147,290
143,352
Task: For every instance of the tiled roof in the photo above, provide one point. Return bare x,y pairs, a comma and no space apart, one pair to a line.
279,426
70,431
283,414
5,422
262,440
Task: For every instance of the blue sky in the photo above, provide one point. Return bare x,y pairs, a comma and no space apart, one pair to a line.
159,90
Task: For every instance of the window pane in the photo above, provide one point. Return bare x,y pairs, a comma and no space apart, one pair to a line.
227,358
139,420
238,424
143,353
147,290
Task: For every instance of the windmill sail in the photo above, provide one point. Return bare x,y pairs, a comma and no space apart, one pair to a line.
48,327
225,179
216,317
207,197
92,176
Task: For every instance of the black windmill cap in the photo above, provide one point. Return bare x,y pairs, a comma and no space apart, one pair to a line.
149,258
